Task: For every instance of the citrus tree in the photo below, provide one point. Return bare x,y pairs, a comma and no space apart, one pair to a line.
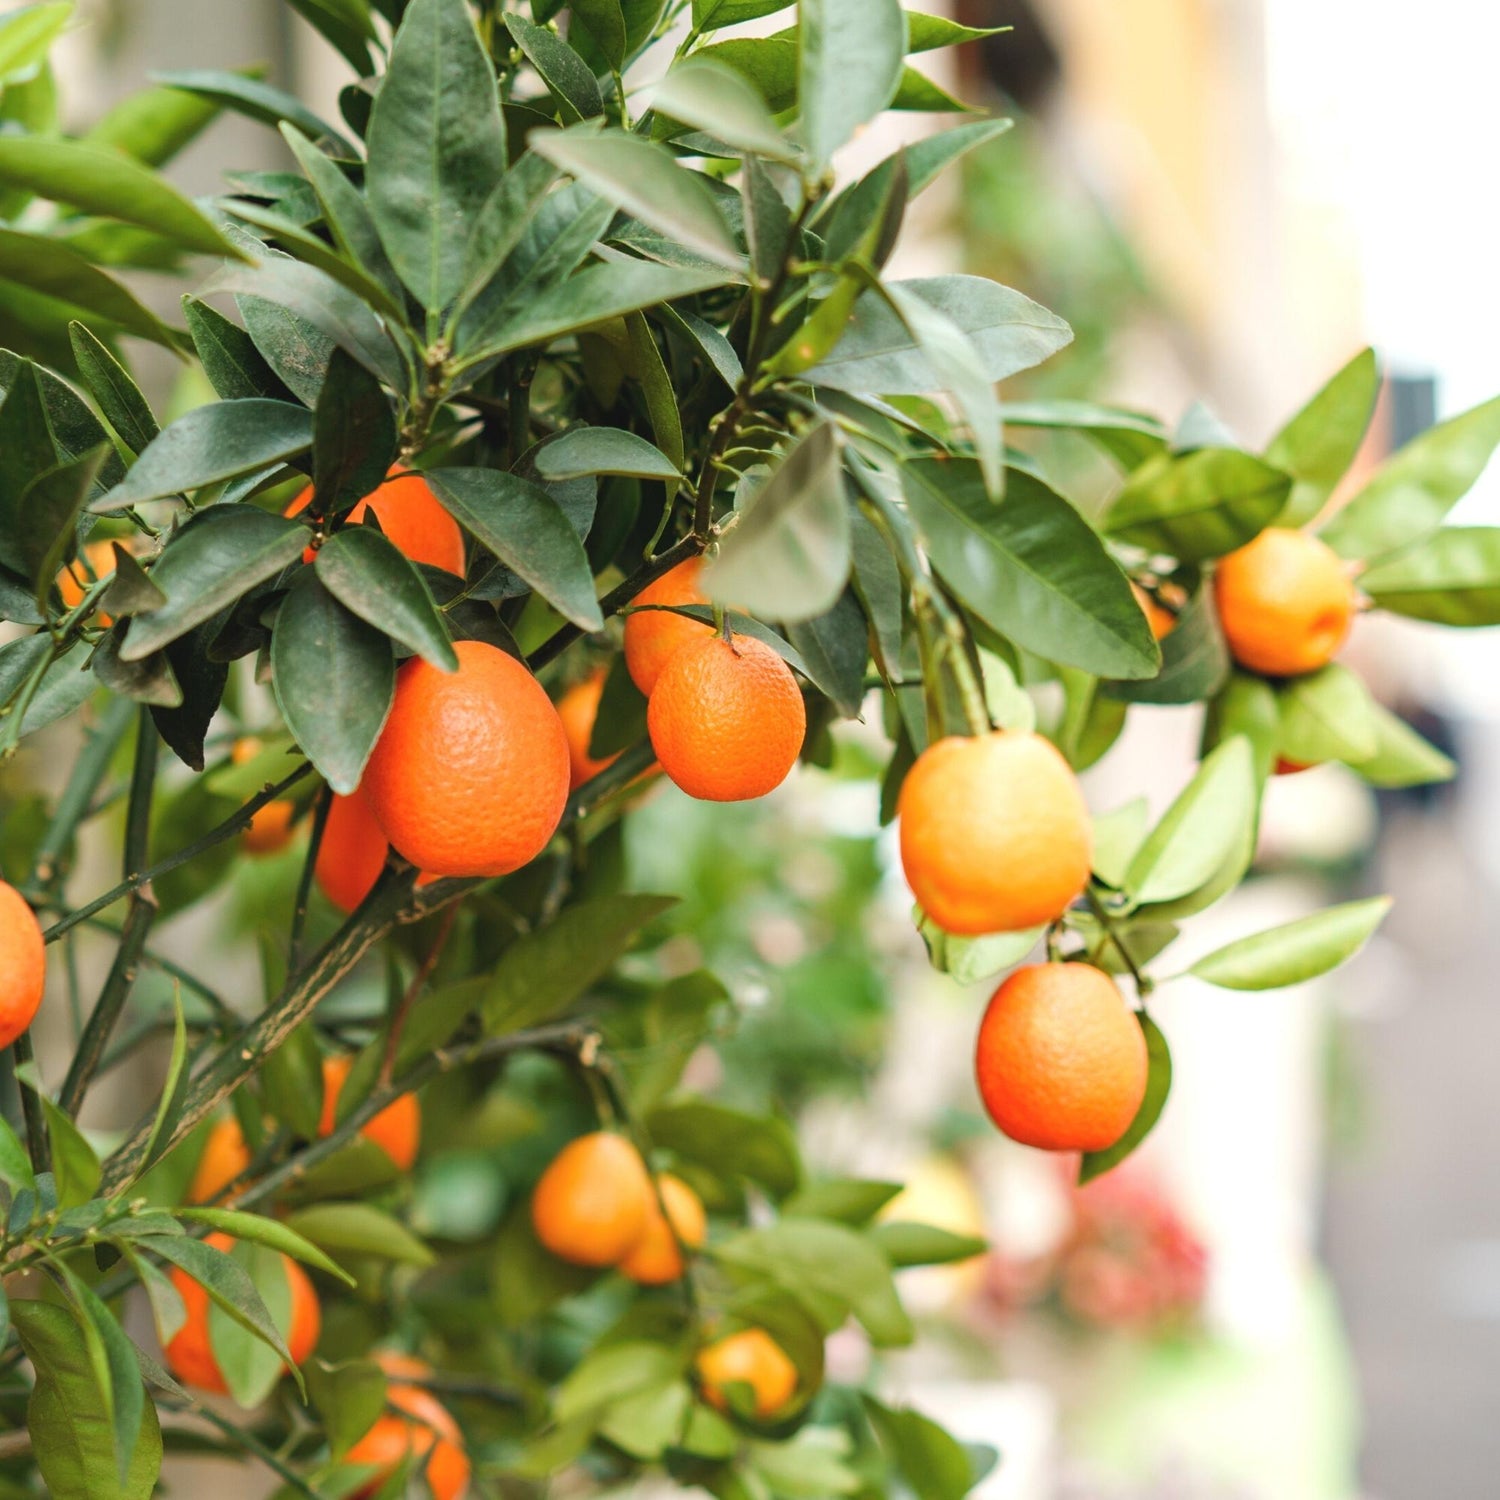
569,436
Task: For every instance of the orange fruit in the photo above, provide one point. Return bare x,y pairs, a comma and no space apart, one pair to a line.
995,835
1285,767
578,708
352,853
727,719
654,636
470,774
411,517
1061,1060
593,1203
190,1355
656,1258
751,1357
71,582
225,1155
271,826
1160,620
1286,602
423,1429
23,964
397,1129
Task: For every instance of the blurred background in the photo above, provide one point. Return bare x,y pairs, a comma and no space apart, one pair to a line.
1294,1292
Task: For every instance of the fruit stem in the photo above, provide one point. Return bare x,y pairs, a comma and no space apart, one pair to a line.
1143,983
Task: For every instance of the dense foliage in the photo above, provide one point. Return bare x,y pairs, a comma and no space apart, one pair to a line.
617,325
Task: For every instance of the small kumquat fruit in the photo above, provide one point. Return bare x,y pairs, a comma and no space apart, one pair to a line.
23,964
657,1258
397,1129
593,1203
753,1358
654,636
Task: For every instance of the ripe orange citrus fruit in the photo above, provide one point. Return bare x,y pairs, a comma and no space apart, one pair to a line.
656,1258
397,1129
726,719
1061,1060
412,518
1160,619
71,581
423,1429
1285,767
751,1357
270,827
995,834
578,708
190,1355
352,853
470,774
225,1155
593,1203
23,964
654,636
1286,602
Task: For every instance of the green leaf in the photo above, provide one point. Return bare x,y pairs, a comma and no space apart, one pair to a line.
1295,951
27,34
646,181
349,1397
109,383
1326,715
153,125
878,355
1401,756
1317,445
256,100
26,450
713,98
235,367
1032,568
1246,706
15,1165
528,531
908,1244
918,92
1158,1086
729,1142
1413,490
644,364
354,436
824,1260
849,1200
173,1087
503,222
1199,829
73,1159
218,556
646,1424
1198,505
569,79
968,960
789,554
250,1367
359,1229
926,33
335,679
1128,437
933,1463
1194,659
100,181
836,647
46,265
613,1373
526,1278
47,522
710,15
602,450
849,63
1117,836
372,579
542,973
212,443
71,1431
272,1233
347,25
436,146
1451,578
605,23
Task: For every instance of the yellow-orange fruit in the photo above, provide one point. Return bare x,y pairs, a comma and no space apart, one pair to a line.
654,636
190,1355
224,1157
995,834
751,1357
470,774
592,1204
397,1129
352,853
656,1258
1061,1061
1286,602
1160,620
424,1430
412,518
70,582
23,964
727,719
578,708
270,827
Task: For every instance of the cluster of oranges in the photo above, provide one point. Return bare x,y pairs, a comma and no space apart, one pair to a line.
596,1205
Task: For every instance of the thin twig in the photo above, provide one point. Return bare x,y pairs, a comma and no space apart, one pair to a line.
415,988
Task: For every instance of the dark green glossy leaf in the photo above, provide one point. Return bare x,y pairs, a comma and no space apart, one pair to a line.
436,147
503,221
604,20
713,98
47,516
349,1397
1317,445
1128,437
527,530
1194,659
1032,568
153,125
73,1159
15,1164
354,436
235,367
335,678
602,450
183,723
26,450
298,352
1452,578
359,1229
569,79
836,648
849,65
347,26
371,578
730,1142
257,100
1158,1086
130,590
110,384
